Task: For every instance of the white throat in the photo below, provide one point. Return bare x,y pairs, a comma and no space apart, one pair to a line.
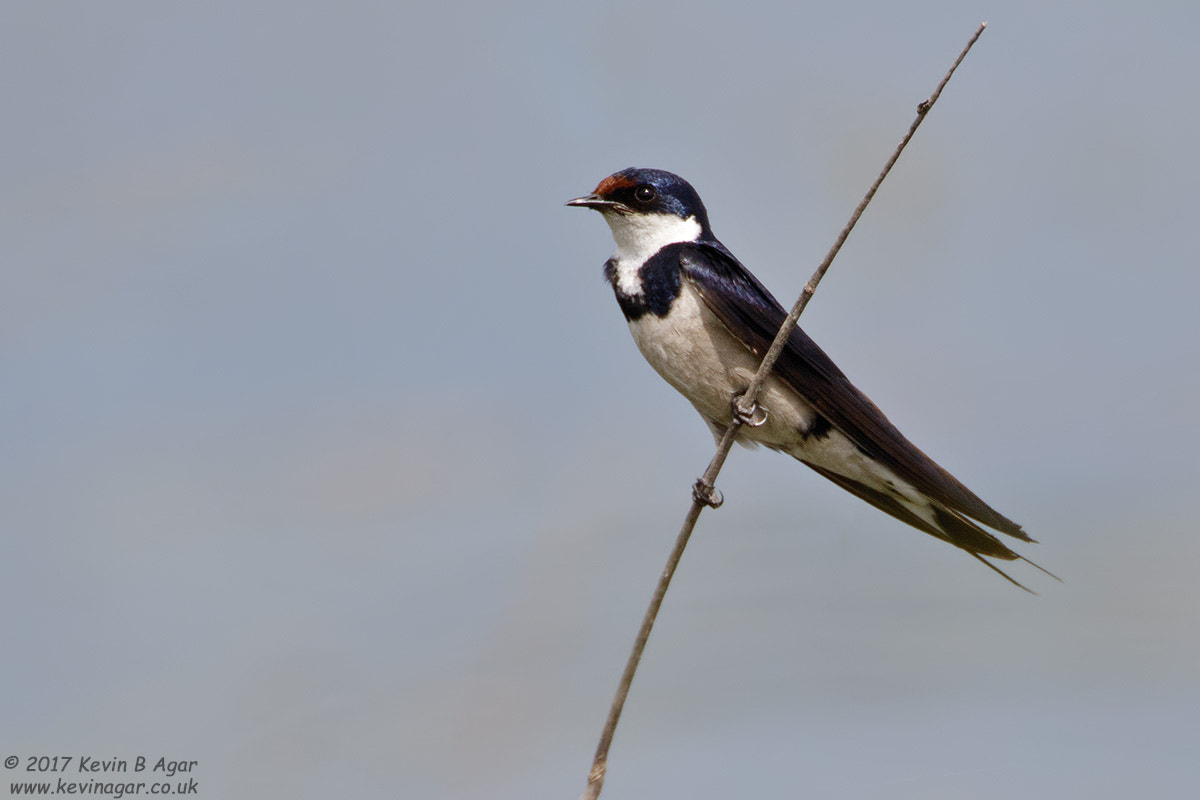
639,236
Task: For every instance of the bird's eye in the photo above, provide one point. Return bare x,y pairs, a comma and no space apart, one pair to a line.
644,193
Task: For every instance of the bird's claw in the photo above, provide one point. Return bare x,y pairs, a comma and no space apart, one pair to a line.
752,415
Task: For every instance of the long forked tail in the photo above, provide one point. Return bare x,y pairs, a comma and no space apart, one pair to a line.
1010,578
948,525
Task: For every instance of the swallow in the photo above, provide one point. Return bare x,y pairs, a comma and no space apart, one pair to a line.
704,322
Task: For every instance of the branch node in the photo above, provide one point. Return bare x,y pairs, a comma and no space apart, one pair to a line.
705,494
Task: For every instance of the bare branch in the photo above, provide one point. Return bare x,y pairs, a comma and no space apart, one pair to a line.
745,412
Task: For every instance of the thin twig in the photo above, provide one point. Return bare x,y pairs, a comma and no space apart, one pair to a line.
703,492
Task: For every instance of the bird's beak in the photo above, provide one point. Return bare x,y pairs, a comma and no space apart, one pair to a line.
592,201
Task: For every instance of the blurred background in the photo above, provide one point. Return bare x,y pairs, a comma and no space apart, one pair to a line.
327,459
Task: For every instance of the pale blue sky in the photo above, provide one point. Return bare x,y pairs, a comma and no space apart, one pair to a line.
328,460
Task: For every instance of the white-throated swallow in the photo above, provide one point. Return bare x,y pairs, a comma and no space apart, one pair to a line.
703,321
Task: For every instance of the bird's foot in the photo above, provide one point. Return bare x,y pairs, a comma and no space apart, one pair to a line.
749,414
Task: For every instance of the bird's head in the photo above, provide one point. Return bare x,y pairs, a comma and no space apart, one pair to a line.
648,209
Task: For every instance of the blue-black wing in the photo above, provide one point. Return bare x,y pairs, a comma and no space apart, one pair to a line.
751,314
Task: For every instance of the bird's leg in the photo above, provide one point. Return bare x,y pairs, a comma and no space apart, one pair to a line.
749,414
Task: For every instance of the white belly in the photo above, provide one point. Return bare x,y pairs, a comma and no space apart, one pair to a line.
693,352
697,355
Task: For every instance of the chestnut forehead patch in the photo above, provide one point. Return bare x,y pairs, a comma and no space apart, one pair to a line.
614,183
